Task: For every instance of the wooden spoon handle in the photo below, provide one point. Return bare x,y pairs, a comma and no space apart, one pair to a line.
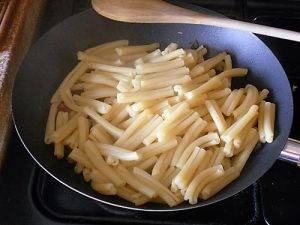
158,11
255,28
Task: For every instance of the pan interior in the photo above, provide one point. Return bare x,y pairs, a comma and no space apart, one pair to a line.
54,55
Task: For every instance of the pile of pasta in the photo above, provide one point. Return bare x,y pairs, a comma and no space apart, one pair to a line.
157,125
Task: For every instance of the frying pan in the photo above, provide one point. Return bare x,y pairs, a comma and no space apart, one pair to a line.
54,55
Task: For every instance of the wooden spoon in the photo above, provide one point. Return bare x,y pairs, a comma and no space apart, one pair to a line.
158,11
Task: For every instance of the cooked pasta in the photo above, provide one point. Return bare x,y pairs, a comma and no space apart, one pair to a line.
152,125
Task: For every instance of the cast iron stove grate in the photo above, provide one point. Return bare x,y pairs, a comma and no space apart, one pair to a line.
61,204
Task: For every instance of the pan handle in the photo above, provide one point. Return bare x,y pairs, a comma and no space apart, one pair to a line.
291,152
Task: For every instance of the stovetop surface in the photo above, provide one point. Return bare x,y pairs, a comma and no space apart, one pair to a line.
29,196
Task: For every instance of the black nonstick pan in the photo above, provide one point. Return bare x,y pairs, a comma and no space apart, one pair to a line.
54,55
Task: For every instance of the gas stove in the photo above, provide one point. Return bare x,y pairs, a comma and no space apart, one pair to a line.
30,196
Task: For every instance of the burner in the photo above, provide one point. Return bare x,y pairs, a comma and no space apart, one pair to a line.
278,206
